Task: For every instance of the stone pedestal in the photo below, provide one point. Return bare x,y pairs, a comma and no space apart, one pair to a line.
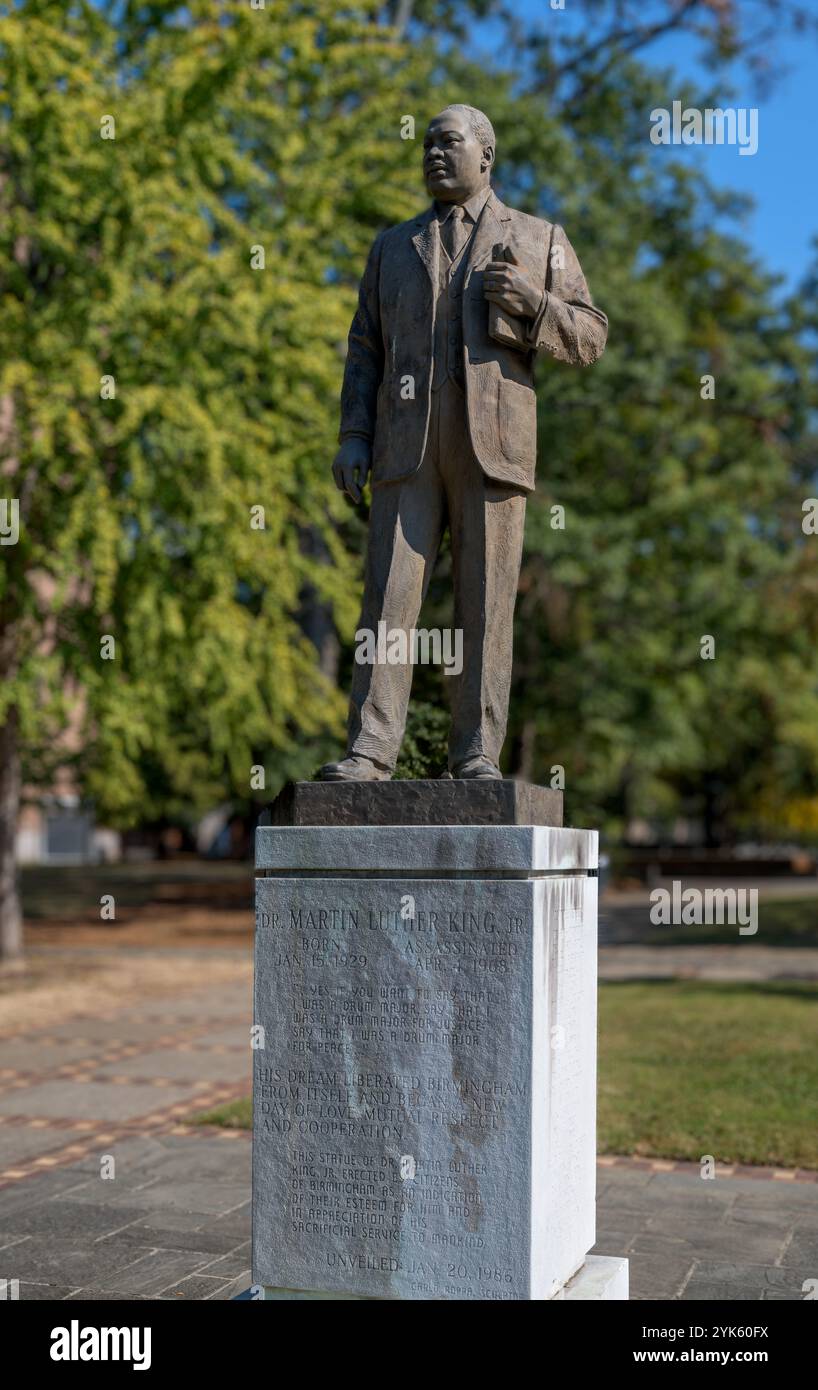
424,1098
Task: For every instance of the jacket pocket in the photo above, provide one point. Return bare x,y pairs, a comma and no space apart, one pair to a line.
517,421
482,394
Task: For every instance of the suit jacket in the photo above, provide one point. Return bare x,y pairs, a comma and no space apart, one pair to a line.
392,334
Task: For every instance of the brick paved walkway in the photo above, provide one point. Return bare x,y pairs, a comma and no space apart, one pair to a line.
176,1224
110,1067
719,1240
169,1038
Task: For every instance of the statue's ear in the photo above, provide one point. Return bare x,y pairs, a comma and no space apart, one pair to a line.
488,155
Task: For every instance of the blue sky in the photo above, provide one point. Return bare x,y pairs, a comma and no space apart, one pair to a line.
782,177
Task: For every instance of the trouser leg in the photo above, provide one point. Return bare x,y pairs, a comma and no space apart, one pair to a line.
487,521
405,527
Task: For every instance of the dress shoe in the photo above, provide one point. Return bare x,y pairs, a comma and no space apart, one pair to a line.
481,768
353,769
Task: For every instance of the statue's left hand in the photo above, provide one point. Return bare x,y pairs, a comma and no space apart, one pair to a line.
506,283
351,466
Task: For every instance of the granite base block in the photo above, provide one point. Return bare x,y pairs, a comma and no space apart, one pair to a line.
424,1116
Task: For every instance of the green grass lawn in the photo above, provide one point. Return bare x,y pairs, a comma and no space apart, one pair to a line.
237,1114
689,1068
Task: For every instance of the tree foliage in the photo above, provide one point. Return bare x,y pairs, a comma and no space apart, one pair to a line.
136,260
157,384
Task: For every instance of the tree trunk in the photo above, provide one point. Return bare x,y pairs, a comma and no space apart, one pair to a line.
11,917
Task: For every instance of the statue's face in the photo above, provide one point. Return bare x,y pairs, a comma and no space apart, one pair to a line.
453,159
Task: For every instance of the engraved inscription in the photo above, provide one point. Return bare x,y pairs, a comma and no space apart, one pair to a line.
392,1097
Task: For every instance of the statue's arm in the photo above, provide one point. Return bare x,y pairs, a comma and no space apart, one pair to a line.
362,377
567,326
365,356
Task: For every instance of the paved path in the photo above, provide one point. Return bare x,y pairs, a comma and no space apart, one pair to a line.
166,1037
105,1063
744,962
176,1224
722,1239
109,1067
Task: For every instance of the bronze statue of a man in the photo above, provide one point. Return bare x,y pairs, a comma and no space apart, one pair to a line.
438,400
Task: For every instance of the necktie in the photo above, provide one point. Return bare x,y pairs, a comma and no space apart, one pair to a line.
454,231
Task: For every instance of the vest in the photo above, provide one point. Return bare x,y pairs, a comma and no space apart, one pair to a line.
448,340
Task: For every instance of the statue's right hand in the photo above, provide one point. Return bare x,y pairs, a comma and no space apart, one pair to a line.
351,466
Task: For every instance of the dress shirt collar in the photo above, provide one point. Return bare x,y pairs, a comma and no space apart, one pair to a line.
472,208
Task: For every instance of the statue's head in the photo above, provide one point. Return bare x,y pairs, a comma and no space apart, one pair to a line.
458,154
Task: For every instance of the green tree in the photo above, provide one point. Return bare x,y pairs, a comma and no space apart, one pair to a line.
158,387
678,506
681,513
137,259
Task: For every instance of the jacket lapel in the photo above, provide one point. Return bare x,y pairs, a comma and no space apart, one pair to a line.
489,230
425,242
